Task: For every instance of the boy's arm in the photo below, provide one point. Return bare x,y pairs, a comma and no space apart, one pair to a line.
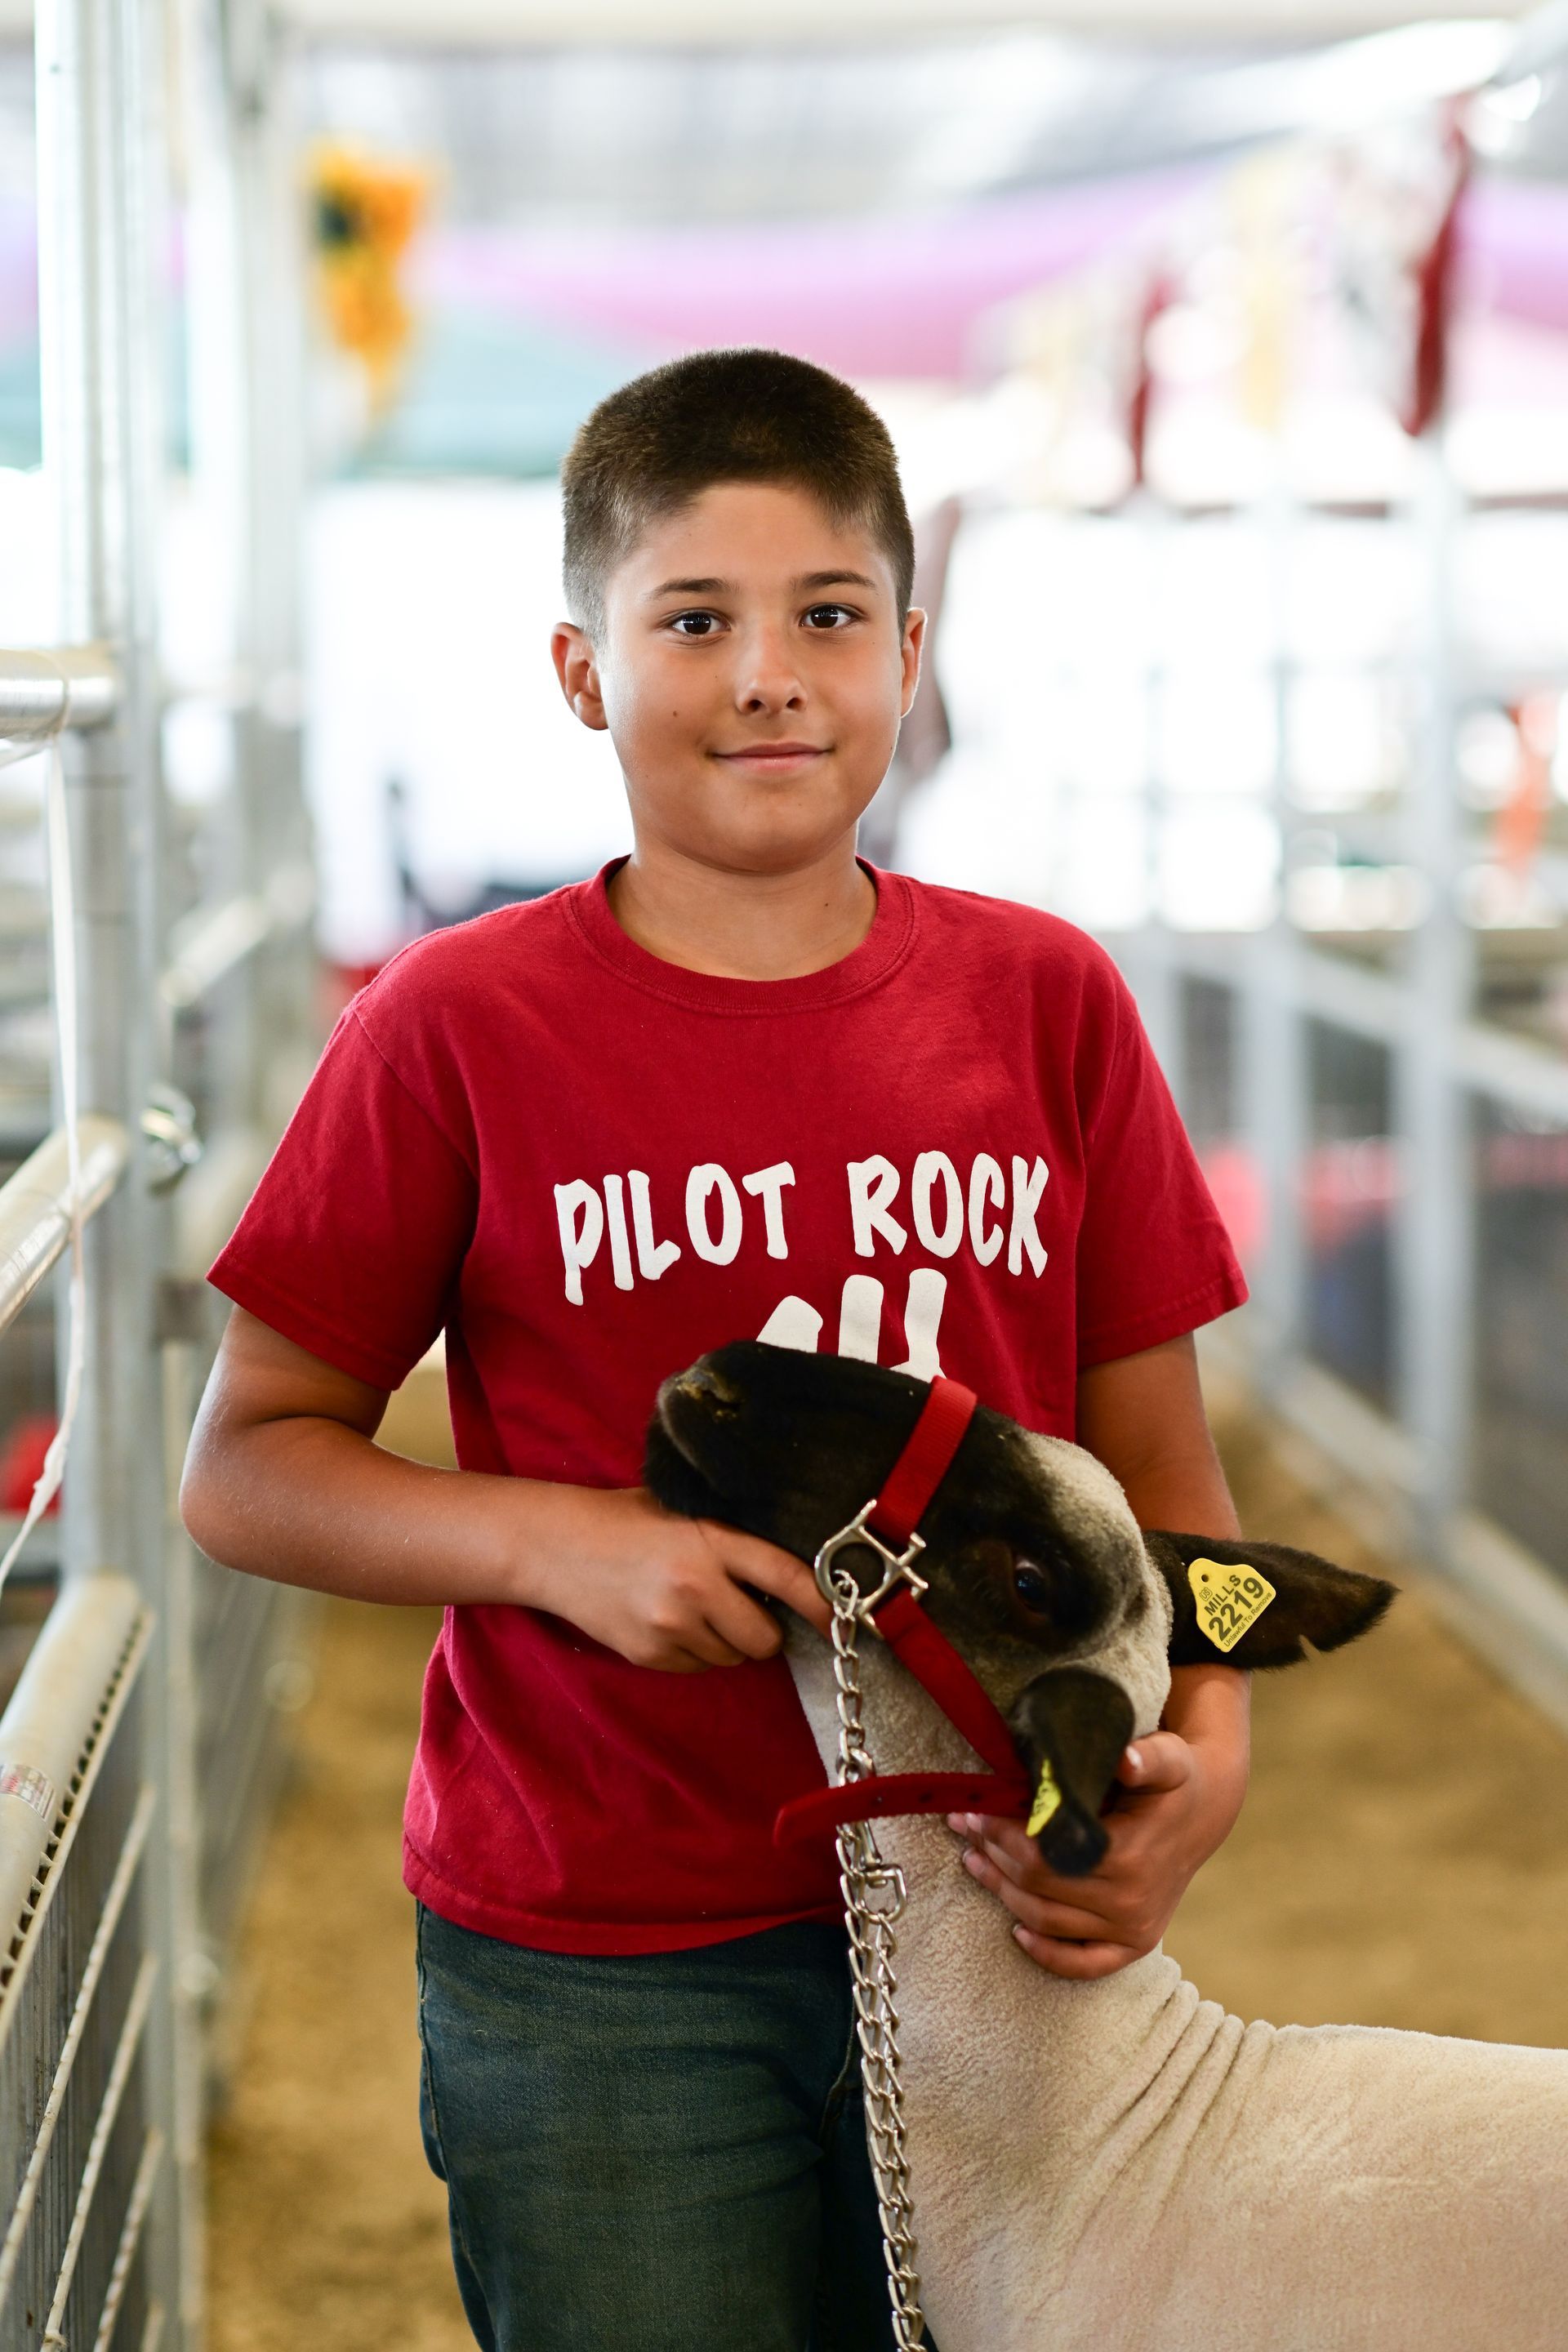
1143,1416
283,1479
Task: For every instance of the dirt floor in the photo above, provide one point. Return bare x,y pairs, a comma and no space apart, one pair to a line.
1402,1860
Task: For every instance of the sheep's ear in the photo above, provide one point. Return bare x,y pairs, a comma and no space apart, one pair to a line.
1314,1602
1070,1726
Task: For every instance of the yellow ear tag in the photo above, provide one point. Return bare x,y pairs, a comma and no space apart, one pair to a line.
1048,1800
1229,1600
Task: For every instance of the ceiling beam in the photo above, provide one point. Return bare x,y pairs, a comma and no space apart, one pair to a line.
532,23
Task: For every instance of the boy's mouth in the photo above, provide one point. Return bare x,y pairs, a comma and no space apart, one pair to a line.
772,759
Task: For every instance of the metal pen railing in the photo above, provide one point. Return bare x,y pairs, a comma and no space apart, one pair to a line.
42,693
36,1205
78,2152
78,2149
100,1933
1509,1603
1396,1401
213,941
140,1749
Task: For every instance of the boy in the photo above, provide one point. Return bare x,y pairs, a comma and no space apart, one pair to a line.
740,1083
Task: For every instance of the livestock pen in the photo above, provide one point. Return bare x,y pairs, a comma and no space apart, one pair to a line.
206,1996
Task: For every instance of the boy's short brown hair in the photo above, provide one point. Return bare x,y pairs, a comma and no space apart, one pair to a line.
725,416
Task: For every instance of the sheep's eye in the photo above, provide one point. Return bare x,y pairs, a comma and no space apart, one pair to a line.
1032,1589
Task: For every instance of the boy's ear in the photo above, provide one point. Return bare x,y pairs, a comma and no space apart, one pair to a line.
576,666
1313,1602
913,645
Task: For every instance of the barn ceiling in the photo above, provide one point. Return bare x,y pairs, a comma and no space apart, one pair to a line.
606,133
683,136
687,24
697,23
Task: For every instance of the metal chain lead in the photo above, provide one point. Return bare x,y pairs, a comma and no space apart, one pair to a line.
874,1897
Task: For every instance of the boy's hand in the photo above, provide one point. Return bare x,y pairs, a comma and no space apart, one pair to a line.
667,1592
1179,1793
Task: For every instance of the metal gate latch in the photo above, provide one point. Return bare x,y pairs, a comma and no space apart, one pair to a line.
169,1131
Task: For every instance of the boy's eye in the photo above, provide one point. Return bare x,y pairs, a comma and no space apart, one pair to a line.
694,624
828,616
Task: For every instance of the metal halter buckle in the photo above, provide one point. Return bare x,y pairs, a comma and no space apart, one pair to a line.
858,1535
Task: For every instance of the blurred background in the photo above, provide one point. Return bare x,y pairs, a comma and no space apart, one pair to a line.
1225,350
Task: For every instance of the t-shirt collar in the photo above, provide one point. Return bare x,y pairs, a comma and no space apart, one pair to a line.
879,953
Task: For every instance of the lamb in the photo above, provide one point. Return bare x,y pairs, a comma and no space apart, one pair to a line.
1120,2166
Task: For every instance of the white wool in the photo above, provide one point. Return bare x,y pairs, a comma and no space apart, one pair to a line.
1122,2167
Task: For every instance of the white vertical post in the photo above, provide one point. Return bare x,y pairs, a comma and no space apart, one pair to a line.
100,352
1435,1241
274,206
1272,1039
1274,1096
101,318
248,443
1151,968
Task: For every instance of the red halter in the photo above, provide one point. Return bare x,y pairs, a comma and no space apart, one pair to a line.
886,1526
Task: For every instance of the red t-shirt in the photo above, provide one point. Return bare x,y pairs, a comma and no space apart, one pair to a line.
951,1150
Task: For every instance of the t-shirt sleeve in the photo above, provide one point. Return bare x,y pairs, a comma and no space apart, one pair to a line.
354,1238
1153,1256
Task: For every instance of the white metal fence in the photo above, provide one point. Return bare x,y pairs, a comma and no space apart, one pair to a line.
141,1746
1393,1105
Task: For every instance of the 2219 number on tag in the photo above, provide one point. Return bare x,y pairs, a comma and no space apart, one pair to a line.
1229,1600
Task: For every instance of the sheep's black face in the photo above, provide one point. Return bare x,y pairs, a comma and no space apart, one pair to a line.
790,1446
1022,1577
1039,1573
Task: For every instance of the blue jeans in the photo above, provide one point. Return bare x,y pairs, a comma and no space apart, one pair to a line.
666,2149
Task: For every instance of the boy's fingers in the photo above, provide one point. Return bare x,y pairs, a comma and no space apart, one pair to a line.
683,1659
1082,1962
703,1646
1042,1914
775,1572
1161,1760
1042,1917
1007,1841
750,1630
1009,1846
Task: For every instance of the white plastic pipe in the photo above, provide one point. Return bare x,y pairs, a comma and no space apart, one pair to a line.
80,1668
36,1204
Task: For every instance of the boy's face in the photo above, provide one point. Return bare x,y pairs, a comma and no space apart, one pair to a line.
751,673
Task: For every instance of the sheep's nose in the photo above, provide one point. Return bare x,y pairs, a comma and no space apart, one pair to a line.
706,1387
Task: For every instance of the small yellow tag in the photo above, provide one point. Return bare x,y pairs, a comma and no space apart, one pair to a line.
1229,1600
1048,1800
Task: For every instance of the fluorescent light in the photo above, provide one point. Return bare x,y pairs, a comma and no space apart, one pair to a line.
1353,83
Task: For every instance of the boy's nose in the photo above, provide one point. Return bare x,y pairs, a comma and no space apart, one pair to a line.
771,694
768,678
